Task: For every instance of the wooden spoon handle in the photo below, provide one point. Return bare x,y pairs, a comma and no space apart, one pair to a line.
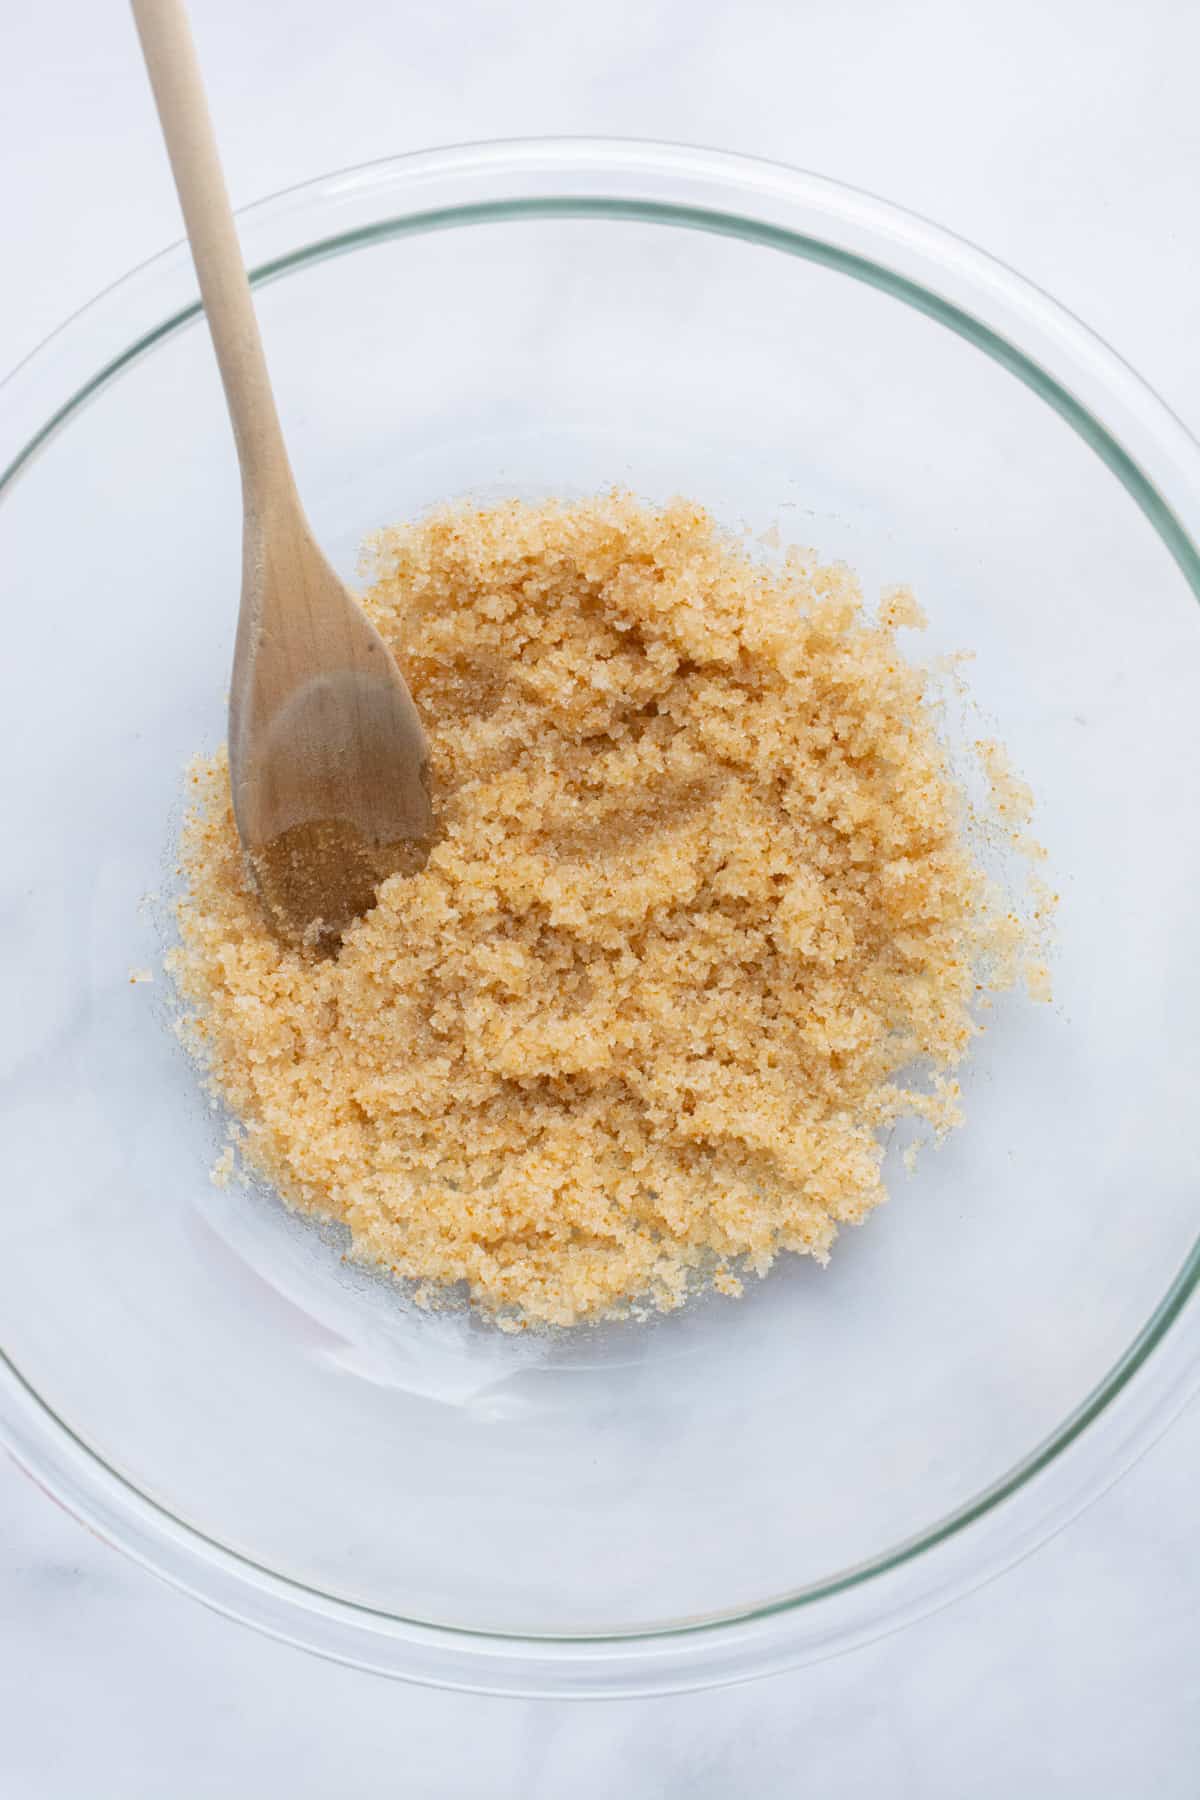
187,127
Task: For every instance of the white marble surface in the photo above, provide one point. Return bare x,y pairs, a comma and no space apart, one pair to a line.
1064,136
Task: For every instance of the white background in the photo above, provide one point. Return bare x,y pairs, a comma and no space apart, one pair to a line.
1064,136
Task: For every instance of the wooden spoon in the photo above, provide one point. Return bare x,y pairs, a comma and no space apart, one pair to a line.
328,760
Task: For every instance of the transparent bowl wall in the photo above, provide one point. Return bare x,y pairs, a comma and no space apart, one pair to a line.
737,1486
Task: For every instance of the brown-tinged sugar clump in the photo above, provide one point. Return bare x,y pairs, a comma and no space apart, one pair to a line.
702,919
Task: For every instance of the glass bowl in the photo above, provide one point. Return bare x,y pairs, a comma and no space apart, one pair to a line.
736,1487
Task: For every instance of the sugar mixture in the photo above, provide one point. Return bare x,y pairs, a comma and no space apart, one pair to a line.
703,919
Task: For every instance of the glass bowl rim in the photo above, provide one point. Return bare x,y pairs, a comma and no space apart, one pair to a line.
1145,447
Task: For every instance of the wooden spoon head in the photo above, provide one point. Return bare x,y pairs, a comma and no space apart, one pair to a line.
328,760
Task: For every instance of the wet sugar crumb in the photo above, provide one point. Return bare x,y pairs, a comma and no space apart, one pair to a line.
702,921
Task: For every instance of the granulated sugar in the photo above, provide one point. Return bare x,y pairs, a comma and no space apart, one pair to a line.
703,918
